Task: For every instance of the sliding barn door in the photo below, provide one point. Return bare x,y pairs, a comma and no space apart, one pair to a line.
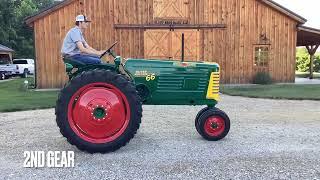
157,44
165,44
191,44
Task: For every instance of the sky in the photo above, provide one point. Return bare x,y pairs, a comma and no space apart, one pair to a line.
309,9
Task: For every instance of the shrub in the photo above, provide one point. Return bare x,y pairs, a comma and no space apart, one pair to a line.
303,64
317,64
262,78
303,61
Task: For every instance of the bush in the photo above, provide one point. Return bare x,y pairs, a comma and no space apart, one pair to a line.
303,61
303,64
262,78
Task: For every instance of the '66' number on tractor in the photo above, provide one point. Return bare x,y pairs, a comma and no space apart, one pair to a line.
150,77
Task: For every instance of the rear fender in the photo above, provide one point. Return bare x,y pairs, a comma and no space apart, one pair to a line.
92,67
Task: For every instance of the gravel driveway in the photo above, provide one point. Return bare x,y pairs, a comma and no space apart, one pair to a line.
269,139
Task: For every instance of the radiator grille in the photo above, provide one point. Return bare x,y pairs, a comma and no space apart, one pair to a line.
214,86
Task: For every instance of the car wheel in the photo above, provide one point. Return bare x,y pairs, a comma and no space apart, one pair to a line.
25,73
2,76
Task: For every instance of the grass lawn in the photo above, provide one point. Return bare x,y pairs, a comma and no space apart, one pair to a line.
14,98
296,92
306,75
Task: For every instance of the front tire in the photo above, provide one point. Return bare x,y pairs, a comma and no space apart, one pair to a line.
213,124
196,121
99,111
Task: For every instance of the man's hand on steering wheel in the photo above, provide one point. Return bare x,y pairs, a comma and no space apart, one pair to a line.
108,51
100,52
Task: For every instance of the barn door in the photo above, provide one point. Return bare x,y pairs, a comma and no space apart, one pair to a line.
171,9
165,44
157,44
192,41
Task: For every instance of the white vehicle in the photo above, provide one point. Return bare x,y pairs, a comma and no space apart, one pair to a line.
20,67
6,69
4,75
23,67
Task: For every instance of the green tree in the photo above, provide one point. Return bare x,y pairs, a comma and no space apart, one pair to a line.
14,33
7,29
303,61
41,4
317,63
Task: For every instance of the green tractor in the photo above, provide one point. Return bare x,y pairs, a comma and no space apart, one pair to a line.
100,108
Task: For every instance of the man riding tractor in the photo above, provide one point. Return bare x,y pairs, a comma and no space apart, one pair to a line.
100,108
76,47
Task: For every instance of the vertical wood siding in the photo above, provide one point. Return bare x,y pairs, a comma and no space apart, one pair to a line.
233,47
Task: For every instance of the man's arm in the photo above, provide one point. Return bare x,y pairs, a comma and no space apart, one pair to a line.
88,50
89,47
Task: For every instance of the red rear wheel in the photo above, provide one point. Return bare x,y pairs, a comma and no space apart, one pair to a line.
99,111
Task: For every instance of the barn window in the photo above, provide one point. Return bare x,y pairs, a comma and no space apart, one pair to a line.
261,56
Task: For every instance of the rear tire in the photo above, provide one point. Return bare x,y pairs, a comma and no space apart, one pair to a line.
108,131
25,73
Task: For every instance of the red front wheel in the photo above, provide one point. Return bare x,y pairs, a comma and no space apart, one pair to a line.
212,124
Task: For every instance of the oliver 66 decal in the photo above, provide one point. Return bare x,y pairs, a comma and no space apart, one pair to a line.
151,77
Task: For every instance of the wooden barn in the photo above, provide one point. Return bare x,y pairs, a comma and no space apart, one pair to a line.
243,36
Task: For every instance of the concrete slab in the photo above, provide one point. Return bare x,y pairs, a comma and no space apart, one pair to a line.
307,81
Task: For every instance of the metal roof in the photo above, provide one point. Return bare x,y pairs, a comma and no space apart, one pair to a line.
308,36
5,49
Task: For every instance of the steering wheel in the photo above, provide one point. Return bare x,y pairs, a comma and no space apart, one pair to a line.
108,51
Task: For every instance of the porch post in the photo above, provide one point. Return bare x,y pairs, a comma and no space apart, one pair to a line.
312,50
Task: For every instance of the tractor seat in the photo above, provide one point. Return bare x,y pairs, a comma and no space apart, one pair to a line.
74,63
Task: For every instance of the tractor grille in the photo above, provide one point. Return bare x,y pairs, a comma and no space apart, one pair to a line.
169,81
214,86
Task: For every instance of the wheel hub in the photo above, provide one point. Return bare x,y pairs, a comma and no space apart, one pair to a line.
99,113
214,126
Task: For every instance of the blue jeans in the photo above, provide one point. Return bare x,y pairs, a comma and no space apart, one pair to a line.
87,59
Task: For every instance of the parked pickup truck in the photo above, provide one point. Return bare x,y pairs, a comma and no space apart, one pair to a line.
21,67
5,75
24,67
6,70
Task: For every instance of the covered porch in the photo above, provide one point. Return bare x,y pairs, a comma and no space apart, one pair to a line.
5,55
310,38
